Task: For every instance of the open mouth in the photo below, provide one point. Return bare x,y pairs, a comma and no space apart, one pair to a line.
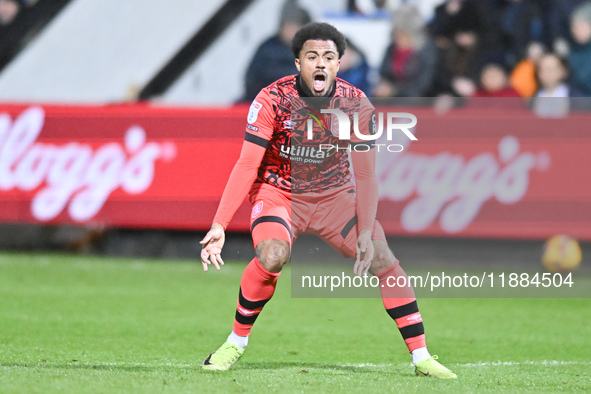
319,82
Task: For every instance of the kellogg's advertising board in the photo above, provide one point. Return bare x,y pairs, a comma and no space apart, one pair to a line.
473,172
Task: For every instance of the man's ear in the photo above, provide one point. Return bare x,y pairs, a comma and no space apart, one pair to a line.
338,65
297,64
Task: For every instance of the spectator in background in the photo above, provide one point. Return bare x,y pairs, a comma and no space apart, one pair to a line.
580,56
550,100
559,18
8,11
408,67
523,77
546,21
354,68
274,58
372,8
525,21
552,74
494,82
456,18
458,29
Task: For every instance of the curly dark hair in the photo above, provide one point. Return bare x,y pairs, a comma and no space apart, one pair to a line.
318,31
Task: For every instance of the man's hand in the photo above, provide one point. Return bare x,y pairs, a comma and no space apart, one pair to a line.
213,242
365,252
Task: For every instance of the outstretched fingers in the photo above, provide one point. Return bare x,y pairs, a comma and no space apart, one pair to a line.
365,253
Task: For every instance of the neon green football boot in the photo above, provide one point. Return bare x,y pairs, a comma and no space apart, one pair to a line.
433,369
223,358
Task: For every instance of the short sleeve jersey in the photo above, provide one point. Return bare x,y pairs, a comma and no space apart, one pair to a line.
282,120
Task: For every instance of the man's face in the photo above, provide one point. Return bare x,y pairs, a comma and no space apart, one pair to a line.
288,32
581,31
493,78
318,65
551,71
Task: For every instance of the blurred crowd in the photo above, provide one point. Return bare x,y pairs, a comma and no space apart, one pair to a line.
469,48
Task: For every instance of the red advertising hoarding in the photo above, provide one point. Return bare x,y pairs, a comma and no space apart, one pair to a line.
476,172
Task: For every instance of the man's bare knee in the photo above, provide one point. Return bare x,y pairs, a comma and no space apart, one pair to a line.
273,254
383,258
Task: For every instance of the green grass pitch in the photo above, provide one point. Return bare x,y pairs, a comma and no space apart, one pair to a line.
93,324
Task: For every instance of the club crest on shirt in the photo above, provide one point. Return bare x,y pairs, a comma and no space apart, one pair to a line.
334,125
257,209
253,112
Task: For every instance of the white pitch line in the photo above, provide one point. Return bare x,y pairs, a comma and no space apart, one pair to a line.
485,364
311,365
508,363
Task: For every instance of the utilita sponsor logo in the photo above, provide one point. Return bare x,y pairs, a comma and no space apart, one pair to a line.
454,188
305,154
74,174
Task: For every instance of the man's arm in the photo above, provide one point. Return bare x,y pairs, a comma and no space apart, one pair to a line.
241,179
364,164
259,132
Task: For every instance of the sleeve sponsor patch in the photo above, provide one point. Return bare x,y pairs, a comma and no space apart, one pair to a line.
253,112
251,127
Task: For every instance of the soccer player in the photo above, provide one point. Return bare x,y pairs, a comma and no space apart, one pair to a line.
340,212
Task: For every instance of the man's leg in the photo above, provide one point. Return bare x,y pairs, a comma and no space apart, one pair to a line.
335,221
272,237
401,305
257,286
